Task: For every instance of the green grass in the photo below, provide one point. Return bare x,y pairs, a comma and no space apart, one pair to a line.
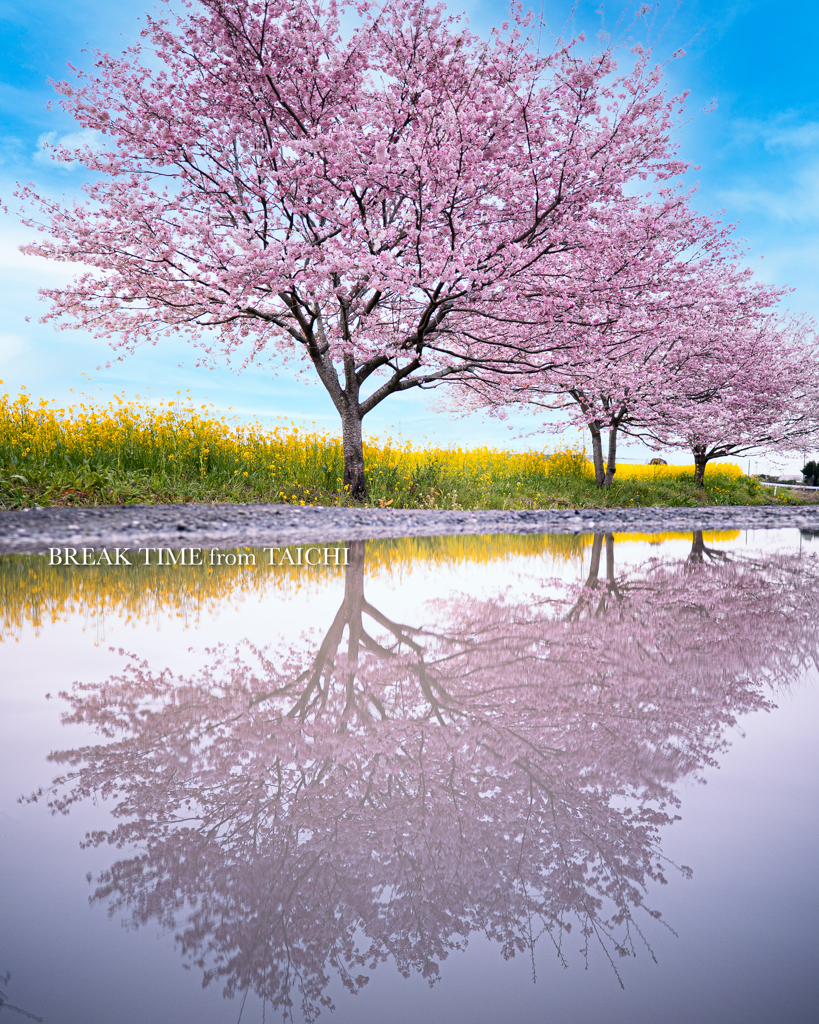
133,453
427,483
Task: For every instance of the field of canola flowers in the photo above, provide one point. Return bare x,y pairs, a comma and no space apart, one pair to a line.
140,452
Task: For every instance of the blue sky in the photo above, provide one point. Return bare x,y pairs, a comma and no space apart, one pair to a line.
759,153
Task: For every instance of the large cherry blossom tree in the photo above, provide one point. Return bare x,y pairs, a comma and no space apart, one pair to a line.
375,203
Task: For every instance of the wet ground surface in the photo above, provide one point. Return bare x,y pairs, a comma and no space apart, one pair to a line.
35,530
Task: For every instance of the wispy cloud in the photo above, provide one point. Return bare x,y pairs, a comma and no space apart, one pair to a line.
784,131
10,148
47,142
795,199
11,345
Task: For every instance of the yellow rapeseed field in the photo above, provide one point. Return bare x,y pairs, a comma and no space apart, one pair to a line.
626,471
135,451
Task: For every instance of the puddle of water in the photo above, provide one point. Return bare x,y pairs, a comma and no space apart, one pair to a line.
430,778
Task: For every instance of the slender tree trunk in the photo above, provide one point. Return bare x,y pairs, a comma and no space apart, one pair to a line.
700,462
354,599
597,454
611,579
593,579
346,401
354,579
614,425
353,442
611,464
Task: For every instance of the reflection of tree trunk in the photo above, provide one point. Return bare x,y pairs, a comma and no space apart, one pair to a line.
353,603
699,552
697,547
593,579
594,568
351,615
314,694
611,582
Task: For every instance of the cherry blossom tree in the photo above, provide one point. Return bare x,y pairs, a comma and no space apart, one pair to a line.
380,790
375,204
723,375
755,390
669,338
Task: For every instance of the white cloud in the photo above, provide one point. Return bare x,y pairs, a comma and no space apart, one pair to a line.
795,200
47,141
10,148
794,263
782,131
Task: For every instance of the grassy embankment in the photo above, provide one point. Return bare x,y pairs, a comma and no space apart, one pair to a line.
131,453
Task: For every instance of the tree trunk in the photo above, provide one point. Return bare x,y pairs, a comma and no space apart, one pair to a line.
354,480
700,462
597,454
611,465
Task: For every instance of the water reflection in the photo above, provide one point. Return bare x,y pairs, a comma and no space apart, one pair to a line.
383,789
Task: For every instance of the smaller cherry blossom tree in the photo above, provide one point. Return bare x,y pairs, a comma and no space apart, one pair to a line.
755,390
668,338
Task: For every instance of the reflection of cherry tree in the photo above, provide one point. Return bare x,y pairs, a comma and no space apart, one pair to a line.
385,790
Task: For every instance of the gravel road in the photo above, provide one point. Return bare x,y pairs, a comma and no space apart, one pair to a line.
176,526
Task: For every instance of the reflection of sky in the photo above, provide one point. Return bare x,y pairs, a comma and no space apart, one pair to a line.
746,923
758,154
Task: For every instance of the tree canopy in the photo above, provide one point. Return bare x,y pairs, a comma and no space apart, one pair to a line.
399,204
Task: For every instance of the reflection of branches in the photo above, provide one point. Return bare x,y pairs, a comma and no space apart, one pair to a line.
4,1004
327,807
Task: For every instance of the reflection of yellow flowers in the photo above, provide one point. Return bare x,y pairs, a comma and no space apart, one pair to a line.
708,536
35,593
